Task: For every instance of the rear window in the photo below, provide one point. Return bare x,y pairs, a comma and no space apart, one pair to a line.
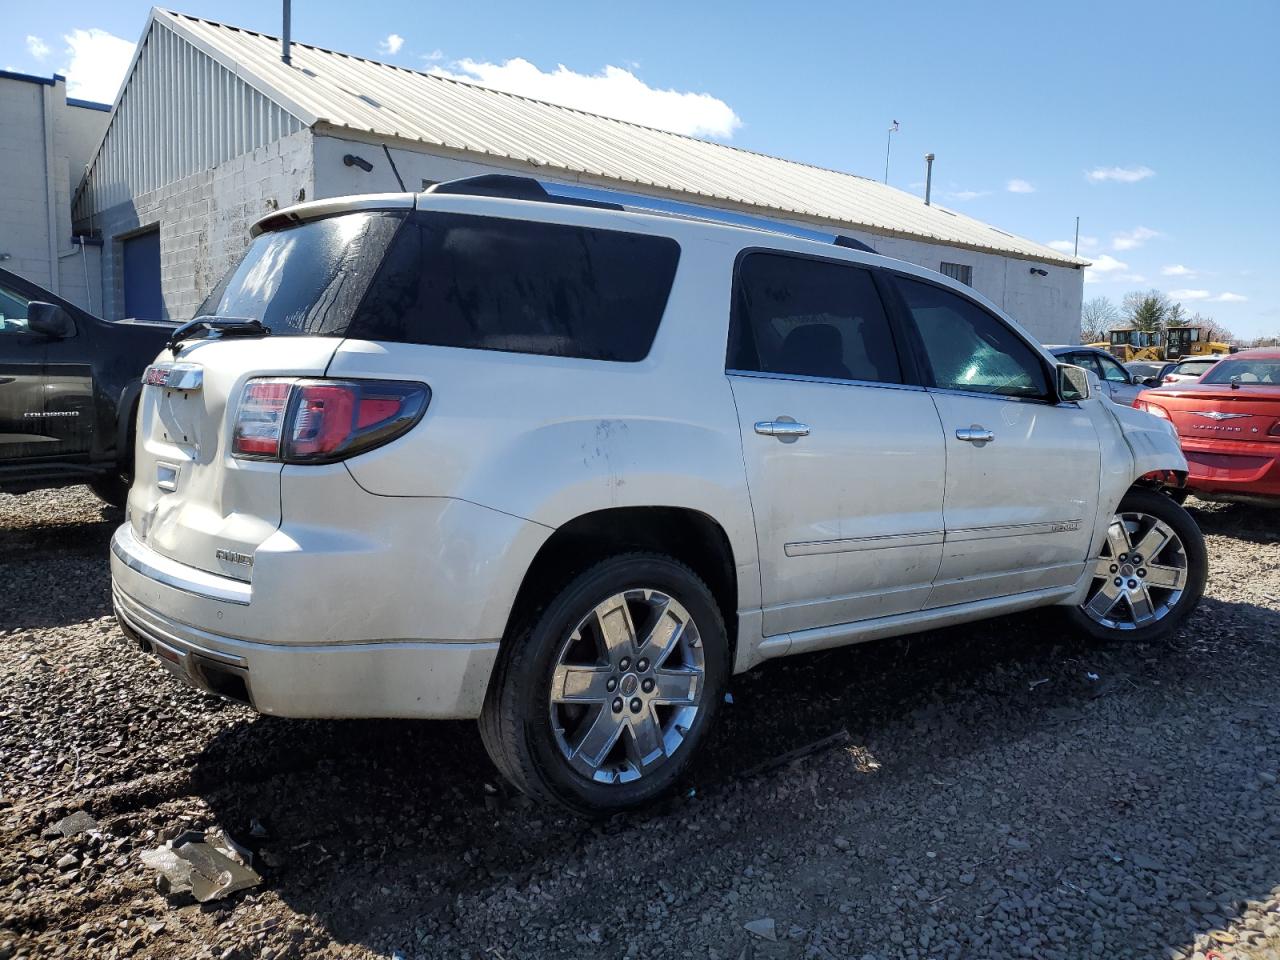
454,280
1245,372
306,279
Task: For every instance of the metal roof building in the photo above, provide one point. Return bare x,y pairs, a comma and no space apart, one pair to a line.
212,128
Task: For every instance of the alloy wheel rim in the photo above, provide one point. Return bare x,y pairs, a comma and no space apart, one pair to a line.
626,686
1141,574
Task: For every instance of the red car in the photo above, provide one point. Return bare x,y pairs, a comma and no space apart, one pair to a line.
1229,425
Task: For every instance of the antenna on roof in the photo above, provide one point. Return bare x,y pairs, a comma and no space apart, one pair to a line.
284,35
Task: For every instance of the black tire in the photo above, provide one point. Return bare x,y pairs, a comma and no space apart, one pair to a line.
1160,506
1177,494
516,721
112,489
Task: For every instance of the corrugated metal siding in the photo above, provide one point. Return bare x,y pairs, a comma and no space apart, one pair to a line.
180,112
371,97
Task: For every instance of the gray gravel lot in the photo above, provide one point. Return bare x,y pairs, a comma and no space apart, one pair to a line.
1004,790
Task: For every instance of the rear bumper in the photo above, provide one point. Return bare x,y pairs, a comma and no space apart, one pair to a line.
402,679
1233,470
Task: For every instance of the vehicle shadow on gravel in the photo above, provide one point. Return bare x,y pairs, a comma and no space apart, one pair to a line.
44,579
380,829
1238,520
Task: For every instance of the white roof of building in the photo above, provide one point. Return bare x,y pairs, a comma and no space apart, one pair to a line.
326,89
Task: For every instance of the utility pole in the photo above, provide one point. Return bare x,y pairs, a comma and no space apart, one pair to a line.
889,143
1076,252
928,177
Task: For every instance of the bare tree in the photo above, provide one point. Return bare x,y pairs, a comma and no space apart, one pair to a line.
1097,317
1211,329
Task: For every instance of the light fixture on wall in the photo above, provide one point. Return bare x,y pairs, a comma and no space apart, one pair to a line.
1038,272
5,256
351,160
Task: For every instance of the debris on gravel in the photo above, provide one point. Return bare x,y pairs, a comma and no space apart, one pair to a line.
974,794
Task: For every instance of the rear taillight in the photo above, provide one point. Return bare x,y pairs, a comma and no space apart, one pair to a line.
320,421
1152,408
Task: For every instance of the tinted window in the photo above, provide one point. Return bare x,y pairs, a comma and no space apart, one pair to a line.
968,348
810,317
491,284
1084,359
306,279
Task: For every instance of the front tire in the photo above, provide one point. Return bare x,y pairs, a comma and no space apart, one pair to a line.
112,489
1150,573
601,704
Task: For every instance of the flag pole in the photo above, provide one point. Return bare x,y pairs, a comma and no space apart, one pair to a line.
887,144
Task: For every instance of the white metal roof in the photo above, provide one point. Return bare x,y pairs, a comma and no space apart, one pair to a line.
326,89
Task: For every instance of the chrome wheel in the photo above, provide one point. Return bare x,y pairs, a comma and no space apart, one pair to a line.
1140,576
626,686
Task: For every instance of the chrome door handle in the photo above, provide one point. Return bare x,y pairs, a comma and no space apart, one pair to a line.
785,429
975,434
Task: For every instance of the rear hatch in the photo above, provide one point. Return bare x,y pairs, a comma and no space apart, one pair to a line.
192,500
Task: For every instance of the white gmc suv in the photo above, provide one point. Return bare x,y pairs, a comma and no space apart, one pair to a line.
564,467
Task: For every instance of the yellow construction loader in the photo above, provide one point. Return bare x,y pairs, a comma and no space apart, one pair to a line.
1129,343
1188,341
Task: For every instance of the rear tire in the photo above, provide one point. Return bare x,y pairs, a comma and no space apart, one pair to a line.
602,702
1150,573
112,489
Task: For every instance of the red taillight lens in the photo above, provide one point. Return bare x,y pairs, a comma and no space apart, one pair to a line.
321,421
1152,408
260,419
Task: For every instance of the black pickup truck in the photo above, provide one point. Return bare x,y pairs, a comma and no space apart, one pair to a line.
69,384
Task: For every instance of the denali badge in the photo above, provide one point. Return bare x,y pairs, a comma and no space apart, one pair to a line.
232,556
1065,526
175,376
1215,415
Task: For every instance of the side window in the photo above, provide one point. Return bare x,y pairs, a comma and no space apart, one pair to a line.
13,312
1112,371
486,283
812,318
1087,360
968,348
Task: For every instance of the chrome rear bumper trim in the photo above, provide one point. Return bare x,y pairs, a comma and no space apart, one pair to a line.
137,556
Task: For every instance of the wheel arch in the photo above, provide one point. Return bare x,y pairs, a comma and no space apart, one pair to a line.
690,536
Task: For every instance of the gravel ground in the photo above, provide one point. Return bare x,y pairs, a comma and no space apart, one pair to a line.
1004,790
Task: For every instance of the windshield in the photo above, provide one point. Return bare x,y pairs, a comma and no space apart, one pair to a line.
306,279
1245,372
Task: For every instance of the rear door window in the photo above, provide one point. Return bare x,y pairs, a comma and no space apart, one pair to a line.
970,349
487,283
815,318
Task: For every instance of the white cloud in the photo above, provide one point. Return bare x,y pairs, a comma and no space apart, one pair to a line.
1229,297
1177,270
1067,246
1130,278
1019,186
613,92
98,64
37,47
392,44
1119,174
1107,264
1133,238
434,56
962,195
1189,294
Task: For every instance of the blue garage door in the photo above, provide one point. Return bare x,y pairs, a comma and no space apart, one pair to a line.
142,297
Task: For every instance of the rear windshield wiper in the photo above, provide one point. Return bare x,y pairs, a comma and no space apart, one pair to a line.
216,327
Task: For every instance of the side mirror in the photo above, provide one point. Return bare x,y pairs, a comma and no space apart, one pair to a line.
1073,383
50,320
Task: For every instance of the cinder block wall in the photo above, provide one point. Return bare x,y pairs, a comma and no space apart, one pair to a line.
204,221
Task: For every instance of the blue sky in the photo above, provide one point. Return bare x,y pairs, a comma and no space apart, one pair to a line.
1172,107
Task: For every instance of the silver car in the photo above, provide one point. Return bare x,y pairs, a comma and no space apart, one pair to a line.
1118,383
